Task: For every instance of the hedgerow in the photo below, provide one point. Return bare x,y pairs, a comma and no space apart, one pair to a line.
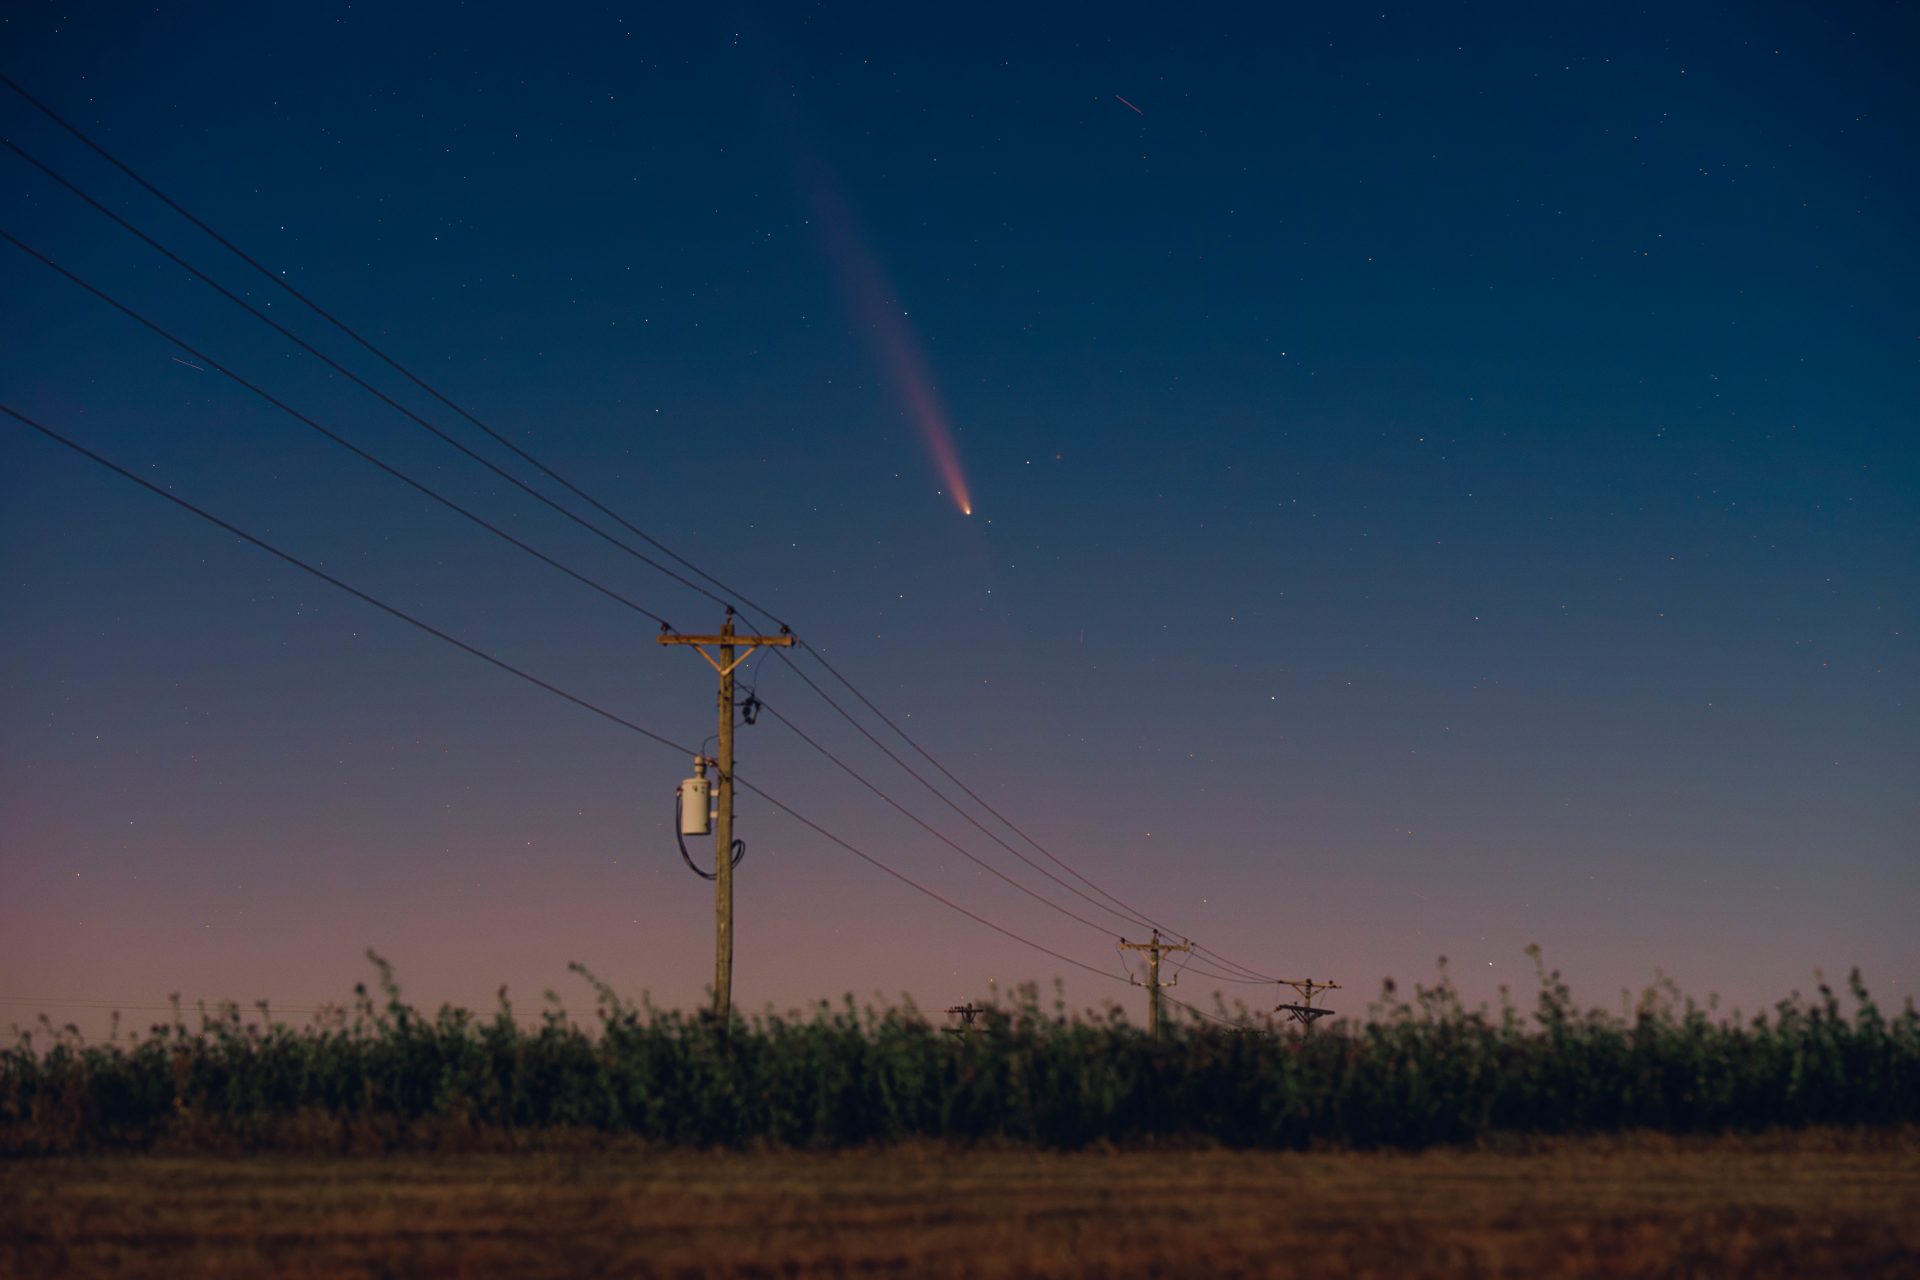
1413,1072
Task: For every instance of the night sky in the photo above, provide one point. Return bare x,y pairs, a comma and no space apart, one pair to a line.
1439,481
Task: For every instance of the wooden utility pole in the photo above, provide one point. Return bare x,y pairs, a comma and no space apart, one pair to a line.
1154,950
1306,1012
734,650
966,1013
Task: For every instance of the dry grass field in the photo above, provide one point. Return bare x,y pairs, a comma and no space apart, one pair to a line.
1789,1205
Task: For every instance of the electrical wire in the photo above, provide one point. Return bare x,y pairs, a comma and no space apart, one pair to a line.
503,665
1253,974
1199,1012
206,279
1125,911
942,796
351,590
1118,949
1129,914
941,836
381,355
337,439
937,897
680,838
93,1003
201,1007
1201,971
753,701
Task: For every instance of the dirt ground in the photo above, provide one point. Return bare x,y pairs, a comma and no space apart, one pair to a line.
1821,1204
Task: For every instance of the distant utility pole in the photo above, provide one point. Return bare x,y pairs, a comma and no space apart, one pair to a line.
728,644
966,1013
1153,950
1305,1013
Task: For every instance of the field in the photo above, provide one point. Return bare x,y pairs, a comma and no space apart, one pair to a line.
1814,1203
1427,1139
1418,1073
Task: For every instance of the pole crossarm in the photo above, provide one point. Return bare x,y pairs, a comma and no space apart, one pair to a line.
744,644
1153,951
967,1013
1306,1012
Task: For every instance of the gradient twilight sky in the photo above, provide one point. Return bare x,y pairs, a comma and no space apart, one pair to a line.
1442,480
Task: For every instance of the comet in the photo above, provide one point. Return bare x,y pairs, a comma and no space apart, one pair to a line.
896,347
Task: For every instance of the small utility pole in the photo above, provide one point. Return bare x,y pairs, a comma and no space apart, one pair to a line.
1154,950
728,643
1306,1012
966,1013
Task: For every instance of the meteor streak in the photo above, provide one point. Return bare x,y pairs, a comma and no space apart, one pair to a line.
1137,110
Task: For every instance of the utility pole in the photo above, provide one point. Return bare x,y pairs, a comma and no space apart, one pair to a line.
1306,1012
729,644
966,1013
1153,950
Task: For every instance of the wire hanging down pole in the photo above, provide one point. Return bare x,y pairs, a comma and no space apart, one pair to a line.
727,642
1154,950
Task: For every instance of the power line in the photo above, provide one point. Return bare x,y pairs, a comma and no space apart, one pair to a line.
389,401
853,773
942,796
1126,912
927,756
1200,972
388,360
1197,1010
339,368
337,439
536,681
823,832
93,1003
217,366
326,577
1129,913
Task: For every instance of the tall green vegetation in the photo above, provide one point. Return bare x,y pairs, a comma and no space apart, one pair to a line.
1414,1072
